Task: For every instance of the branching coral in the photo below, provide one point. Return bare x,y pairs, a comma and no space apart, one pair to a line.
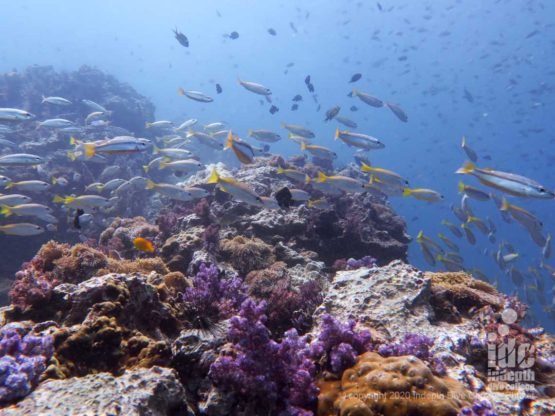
268,376
246,254
22,360
394,386
338,345
212,296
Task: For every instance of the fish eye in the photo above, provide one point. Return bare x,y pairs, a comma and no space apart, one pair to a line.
542,190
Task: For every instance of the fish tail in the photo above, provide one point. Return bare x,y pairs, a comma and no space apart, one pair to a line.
155,150
214,177
365,167
322,177
71,155
461,187
150,184
504,205
280,170
229,141
420,235
355,92
147,125
310,203
10,185
303,146
90,150
180,91
5,210
407,192
463,141
43,99
249,133
54,180
146,168
467,168
307,179
337,132
73,141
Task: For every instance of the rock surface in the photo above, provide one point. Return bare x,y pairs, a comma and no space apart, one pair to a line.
145,392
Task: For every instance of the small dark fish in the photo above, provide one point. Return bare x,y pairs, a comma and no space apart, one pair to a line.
355,78
467,96
273,109
380,8
284,198
298,98
533,33
332,112
272,32
76,218
295,107
398,111
310,87
353,108
307,80
293,28
219,88
234,35
181,38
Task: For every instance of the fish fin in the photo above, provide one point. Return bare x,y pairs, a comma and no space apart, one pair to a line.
307,179
463,142
180,91
504,205
214,177
407,192
90,150
229,141
146,168
365,167
150,184
5,210
73,141
461,186
467,168
420,235
303,146
322,177
280,170
336,134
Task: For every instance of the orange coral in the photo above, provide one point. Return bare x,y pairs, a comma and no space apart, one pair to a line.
393,386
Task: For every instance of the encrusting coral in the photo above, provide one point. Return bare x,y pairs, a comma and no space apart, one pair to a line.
393,386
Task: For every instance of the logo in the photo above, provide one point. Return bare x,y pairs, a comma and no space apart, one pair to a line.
509,363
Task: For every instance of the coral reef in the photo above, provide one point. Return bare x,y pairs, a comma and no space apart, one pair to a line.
23,359
153,391
393,386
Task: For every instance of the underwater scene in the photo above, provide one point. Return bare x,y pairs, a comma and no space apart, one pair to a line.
277,208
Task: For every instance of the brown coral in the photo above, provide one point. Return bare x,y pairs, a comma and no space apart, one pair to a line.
454,294
393,386
247,254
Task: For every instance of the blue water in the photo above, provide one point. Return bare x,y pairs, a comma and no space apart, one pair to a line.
421,55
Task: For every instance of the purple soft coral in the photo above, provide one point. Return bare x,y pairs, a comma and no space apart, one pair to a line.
266,373
215,297
22,361
417,345
340,343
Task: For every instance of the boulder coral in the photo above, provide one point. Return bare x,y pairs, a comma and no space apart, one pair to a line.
247,254
393,386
